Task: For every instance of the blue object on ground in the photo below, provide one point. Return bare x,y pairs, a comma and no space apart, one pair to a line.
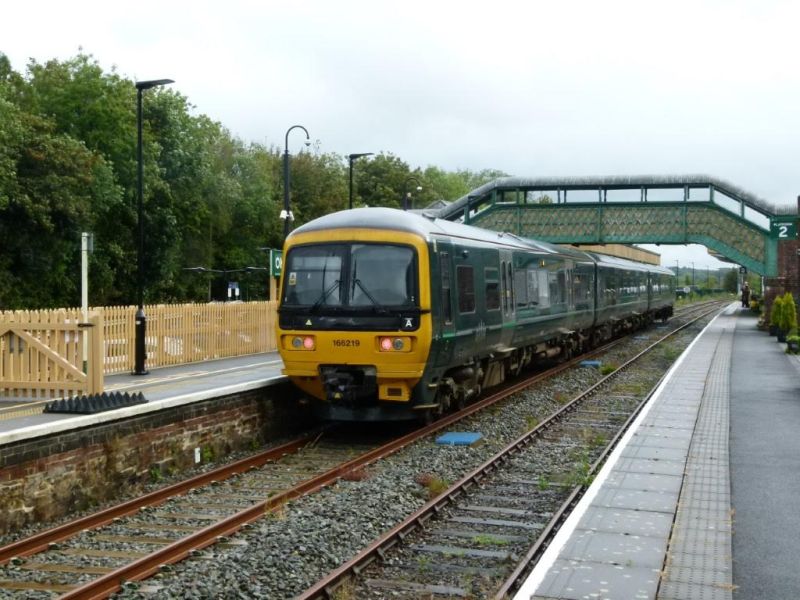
459,438
591,363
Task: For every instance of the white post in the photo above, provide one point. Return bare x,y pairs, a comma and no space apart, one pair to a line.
85,293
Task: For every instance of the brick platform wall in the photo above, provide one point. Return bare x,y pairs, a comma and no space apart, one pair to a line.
45,478
788,279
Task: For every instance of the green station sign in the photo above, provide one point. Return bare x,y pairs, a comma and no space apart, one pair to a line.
275,263
784,229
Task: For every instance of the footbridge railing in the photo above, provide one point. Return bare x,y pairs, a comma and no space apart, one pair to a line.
628,210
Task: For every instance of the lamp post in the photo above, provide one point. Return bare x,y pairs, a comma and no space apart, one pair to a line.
141,320
286,214
353,157
406,193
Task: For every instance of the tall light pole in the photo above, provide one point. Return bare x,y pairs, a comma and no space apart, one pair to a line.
353,157
406,193
141,321
286,214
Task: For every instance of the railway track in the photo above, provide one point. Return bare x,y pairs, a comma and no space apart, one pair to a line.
482,535
189,516
175,520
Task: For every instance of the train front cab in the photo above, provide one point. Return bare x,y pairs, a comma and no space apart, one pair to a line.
354,326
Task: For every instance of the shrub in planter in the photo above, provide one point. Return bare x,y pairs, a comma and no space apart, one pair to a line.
775,315
793,342
788,320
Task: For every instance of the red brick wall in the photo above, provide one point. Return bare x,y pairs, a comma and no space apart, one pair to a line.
788,279
45,478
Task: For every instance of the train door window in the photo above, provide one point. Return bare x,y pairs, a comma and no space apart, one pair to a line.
492,289
505,286
521,288
444,271
556,281
466,288
510,291
581,292
544,288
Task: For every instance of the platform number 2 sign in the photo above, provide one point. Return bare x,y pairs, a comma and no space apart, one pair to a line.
785,230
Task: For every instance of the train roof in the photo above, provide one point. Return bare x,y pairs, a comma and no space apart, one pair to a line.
428,226
624,263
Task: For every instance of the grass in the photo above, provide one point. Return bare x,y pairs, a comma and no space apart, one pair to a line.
155,474
345,591
433,483
489,540
608,369
561,397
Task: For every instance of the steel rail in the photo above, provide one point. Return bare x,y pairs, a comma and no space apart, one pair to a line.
558,518
181,548
178,550
40,541
325,588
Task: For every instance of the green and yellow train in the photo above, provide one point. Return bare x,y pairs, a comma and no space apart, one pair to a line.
388,315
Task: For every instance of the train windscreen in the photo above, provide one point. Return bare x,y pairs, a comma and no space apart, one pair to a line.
350,275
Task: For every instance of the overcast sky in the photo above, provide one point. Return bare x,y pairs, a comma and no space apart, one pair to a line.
531,88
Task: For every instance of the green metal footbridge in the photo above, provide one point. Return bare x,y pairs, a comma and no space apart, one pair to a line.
693,209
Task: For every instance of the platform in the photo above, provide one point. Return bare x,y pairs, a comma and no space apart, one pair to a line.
658,521
163,388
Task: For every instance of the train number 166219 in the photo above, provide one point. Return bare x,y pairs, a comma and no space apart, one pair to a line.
346,343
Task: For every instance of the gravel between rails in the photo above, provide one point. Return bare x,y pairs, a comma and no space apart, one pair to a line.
286,552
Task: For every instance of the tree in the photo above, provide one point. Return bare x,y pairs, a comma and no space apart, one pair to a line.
43,208
731,281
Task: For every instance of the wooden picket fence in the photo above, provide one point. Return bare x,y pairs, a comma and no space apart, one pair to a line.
41,352
50,354
185,333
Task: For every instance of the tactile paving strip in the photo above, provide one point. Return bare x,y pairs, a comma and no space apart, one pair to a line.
699,558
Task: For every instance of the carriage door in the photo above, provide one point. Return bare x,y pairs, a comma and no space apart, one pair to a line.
445,328
508,298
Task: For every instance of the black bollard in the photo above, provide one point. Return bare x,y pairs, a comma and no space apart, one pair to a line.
140,354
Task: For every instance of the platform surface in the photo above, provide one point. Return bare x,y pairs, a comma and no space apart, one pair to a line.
658,521
163,388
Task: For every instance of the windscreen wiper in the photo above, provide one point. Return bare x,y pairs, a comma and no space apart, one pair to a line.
325,295
376,307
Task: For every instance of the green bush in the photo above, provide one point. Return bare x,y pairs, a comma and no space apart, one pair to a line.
775,313
788,320
792,342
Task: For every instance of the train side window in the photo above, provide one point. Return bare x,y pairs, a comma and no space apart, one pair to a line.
492,288
447,300
466,288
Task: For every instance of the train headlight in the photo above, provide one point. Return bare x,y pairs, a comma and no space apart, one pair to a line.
394,344
303,342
